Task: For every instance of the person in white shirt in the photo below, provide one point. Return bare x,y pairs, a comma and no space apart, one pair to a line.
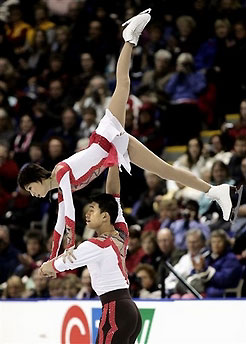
110,145
105,259
195,242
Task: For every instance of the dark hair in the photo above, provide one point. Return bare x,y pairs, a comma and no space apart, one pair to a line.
148,268
32,173
222,165
107,203
190,159
36,235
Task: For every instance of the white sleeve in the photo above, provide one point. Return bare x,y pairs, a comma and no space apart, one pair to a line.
120,222
69,211
120,217
60,222
85,253
59,230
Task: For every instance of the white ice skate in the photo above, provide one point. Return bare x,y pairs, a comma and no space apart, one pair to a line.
135,26
228,197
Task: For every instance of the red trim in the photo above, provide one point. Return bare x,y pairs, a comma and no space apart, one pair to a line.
55,244
53,265
112,322
116,195
122,226
60,196
60,173
71,225
102,323
101,140
109,242
69,222
110,160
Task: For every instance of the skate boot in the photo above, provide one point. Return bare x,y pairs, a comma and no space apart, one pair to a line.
228,197
135,26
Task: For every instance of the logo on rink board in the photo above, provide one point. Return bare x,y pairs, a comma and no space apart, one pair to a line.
75,328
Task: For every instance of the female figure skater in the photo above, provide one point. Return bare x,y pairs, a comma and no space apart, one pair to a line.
110,145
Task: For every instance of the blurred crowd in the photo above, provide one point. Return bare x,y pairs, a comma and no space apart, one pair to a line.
57,74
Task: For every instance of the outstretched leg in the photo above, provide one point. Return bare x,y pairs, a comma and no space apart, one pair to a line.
147,160
131,33
226,195
117,105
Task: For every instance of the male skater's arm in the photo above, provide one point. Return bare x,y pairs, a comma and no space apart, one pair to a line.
113,188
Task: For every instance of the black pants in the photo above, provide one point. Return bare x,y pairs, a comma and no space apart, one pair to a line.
121,321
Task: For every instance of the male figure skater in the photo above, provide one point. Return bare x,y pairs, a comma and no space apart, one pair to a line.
105,258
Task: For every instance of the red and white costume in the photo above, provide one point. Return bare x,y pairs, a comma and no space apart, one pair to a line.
104,257
108,146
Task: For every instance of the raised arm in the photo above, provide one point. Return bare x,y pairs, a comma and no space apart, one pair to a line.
113,181
113,188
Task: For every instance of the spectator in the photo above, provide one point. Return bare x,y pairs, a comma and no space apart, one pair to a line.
8,255
37,54
19,33
71,286
97,45
86,290
195,242
167,212
135,251
150,248
8,77
187,40
55,288
194,161
216,149
36,153
239,128
56,151
223,270
148,131
165,241
6,126
184,88
88,123
43,23
148,287
15,288
68,130
56,102
188,221
40,286
8,169
34,256
238,154
88,71
96,95
155,79
240,223
27,133
143,208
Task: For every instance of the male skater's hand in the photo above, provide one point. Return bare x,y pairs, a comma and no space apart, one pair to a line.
47,270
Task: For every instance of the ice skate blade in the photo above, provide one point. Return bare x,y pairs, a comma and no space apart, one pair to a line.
129,20
234,211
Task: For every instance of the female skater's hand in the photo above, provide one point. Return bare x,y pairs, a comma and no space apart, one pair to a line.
68,254
47,270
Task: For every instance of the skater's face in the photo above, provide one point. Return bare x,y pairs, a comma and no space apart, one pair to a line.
37,189
94,216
